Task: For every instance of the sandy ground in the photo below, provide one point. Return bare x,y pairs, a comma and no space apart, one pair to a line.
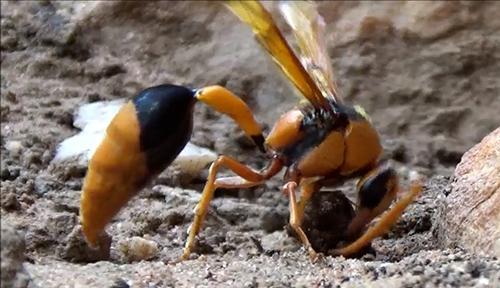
427,74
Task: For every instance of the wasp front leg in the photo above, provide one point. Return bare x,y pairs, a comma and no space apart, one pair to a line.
308,187
376,191
248,178
297,211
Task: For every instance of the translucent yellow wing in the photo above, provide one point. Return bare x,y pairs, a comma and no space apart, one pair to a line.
269,36
308,28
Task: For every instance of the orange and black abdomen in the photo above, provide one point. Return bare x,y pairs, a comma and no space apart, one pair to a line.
145,136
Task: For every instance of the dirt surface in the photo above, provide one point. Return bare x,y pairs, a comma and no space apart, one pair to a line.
426,72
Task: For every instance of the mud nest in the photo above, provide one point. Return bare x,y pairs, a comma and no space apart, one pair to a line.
326,218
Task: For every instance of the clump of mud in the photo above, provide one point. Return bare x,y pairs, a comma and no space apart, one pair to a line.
326,219
426,72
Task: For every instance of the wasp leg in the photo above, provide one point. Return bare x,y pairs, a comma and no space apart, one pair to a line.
376,191
307,189
248,179
366,214
296,219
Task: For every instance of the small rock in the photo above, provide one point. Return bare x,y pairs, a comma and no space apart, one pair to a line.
13,246
272,221
42,186
470,215
111,70
203,247
175,197
46,157
11,96
9,43
399,153
76,248
14,147
10,173
49,229
9,201
32,157
65,118
278,241
120,283
193,158
138,248
93,97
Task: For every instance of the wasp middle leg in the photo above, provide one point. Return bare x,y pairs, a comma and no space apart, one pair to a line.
247,178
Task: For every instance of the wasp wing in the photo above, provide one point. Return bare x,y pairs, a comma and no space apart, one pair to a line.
308,27
269,36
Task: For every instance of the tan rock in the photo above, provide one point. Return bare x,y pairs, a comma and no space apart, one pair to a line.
138,248
471,215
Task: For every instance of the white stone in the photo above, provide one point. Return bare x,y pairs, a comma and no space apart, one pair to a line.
94,118
138,248
14,147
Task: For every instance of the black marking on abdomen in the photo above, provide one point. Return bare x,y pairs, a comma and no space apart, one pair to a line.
165,115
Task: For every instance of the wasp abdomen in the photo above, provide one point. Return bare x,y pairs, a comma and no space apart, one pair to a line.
144,137
115,171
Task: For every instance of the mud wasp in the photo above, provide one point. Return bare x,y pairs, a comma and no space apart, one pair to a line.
316,142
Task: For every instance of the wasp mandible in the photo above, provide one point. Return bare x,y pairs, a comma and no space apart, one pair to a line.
320,141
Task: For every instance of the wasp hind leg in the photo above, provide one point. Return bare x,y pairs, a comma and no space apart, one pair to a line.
247,178
376,191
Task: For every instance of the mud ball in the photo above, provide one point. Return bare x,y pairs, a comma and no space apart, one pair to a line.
326,218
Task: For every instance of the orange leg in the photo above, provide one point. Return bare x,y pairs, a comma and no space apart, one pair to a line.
376,191
383,225
307,188
248,178
296,219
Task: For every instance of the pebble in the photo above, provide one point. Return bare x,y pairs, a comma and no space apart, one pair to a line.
10,202
272,221
138,248
76,249
14,147
9,173
11,96
12,252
